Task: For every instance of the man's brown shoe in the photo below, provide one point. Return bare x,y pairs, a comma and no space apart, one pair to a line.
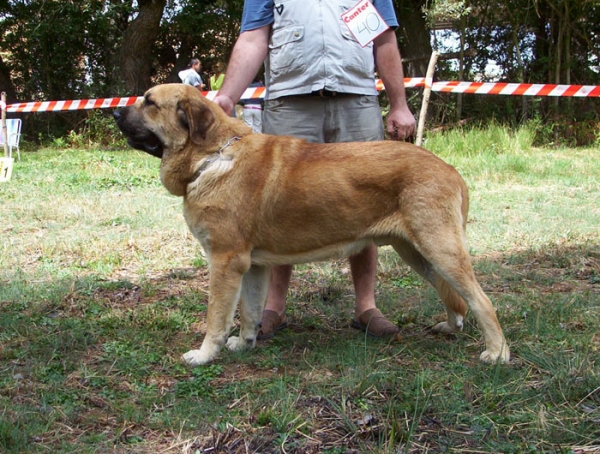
375,324
271,322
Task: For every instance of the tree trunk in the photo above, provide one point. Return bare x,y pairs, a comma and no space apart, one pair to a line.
461,66
136,50
568,52
415,41
520,66
6,84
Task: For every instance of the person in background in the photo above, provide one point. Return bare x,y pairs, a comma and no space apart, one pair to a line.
321,87
216,80
253,108
191,75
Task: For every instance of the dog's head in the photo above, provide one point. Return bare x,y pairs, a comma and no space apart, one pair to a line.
176,123
166,119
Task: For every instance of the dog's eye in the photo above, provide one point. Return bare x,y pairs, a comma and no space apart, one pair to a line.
148,102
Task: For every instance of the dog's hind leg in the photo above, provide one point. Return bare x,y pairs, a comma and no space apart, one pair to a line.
226,271
447,265
463,280
455,305
255,285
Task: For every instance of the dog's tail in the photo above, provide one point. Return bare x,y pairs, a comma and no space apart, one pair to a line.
455,304
464,208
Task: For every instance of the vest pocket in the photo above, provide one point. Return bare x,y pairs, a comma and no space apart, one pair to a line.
287,54
357,60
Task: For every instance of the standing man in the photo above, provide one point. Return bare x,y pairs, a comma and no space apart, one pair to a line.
216,80
253,108
321,87
191,75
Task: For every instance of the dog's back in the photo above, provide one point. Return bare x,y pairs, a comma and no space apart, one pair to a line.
341,193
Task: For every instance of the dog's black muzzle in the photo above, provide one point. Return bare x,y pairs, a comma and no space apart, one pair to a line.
138,138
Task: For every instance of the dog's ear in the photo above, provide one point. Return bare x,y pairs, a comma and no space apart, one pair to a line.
197,117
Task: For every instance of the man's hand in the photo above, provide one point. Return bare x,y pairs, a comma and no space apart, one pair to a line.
225,103
248,55
401,123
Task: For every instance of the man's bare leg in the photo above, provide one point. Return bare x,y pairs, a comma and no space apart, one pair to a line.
366,315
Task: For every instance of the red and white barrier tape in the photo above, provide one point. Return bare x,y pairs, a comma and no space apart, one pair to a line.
503,88
52,106
484,88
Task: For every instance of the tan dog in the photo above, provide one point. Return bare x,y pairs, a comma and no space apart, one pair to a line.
256,200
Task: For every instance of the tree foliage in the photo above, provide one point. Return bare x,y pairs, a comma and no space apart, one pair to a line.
534,41
71,49
67,49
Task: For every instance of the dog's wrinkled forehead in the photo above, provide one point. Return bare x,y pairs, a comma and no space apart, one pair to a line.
161,99
171,98
159,106
175,113
170,94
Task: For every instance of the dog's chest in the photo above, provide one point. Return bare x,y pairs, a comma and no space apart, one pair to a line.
196,224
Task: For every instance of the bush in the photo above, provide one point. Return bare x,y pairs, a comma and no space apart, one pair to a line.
97,130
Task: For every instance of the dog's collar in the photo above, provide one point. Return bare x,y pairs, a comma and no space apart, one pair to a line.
212,158
231,141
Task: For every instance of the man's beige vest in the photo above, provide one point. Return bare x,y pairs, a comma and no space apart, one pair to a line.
311,48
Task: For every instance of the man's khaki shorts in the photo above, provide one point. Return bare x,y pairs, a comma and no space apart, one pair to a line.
340,118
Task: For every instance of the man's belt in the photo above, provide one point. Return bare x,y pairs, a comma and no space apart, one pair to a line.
324,93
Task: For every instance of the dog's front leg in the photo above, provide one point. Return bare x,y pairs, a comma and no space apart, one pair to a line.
255,285
225,287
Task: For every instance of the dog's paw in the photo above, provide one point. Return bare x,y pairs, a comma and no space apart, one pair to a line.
236,344
492,357
197,358
444,328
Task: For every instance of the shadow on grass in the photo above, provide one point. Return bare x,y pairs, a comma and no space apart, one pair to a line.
92,365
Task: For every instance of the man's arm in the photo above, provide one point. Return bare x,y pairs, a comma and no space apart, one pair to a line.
248,55
389,66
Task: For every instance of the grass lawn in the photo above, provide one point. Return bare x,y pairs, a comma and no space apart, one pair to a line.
102,288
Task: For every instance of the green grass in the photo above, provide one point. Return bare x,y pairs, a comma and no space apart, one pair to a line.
102,288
